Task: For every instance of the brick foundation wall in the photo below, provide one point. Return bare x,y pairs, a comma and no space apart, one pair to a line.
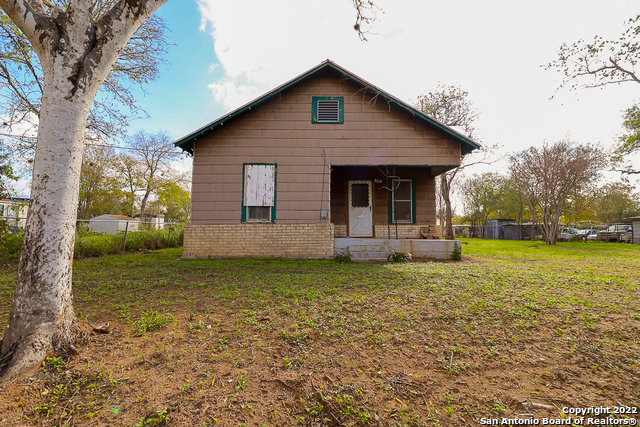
405,231
258,240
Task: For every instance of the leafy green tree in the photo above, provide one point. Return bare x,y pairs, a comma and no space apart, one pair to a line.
7,173
616,201
174,201
629,143
511,205
481,196
99,188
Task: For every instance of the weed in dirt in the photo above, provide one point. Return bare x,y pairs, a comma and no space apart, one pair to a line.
151,320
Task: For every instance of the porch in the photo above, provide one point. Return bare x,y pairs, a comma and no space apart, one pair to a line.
390,202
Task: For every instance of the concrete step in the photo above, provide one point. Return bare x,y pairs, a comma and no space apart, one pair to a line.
367,248
368,253
381,255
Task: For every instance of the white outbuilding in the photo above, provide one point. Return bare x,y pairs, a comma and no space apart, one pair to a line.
113,224
635,224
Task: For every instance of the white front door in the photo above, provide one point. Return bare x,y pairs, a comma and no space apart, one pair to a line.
360,209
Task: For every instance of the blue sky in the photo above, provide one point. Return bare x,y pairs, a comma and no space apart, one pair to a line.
179,100
227,53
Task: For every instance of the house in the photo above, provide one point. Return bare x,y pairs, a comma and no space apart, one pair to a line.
324,163
14,211
113,224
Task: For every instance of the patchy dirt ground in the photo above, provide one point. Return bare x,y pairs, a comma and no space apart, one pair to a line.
280,343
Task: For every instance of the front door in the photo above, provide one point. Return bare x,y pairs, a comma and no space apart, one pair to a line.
360,209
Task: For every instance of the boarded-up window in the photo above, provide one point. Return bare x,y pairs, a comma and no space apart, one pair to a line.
259,193
259,185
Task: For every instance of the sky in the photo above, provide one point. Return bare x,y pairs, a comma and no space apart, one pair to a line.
227,53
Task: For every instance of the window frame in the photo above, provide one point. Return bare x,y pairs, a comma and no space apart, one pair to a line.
391,205
314,109
245,209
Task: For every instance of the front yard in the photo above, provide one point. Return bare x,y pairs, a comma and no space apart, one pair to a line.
515,329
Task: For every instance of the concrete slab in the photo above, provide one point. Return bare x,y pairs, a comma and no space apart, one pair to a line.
418,248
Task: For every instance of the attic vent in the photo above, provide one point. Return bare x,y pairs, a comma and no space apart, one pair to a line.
327,110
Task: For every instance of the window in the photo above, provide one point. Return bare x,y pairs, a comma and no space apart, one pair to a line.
259,187
327,109
360,195
402,201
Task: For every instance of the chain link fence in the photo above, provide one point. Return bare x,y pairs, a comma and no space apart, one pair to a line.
97,237
129,233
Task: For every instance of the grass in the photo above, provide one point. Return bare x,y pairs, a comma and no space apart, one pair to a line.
308,342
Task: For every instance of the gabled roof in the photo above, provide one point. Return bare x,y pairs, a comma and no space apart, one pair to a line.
186,142
120,217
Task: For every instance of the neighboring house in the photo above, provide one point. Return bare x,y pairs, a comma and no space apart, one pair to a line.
14,211
321,159
113,224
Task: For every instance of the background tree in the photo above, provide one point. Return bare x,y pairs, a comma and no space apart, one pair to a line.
7,175
481,194
615,201
78,43
451,106
579,205
604,62
511,204
174,201
629,144
99,192
21,82
545,177
151,154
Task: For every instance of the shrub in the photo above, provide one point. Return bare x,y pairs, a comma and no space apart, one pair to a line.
399,257
10,244
341,257
89,244
457,253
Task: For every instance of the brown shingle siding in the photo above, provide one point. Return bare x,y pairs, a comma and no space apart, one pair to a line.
281,132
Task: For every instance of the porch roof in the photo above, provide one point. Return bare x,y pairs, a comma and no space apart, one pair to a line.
186,142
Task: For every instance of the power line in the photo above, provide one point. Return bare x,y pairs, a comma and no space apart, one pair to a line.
130,148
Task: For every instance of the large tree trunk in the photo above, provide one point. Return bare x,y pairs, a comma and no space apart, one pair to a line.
445,188
143,204
41,317
76,54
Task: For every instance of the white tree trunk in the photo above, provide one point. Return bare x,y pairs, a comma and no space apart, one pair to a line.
76,54
41,315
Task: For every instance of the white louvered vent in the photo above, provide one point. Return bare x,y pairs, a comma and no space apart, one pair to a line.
328,110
